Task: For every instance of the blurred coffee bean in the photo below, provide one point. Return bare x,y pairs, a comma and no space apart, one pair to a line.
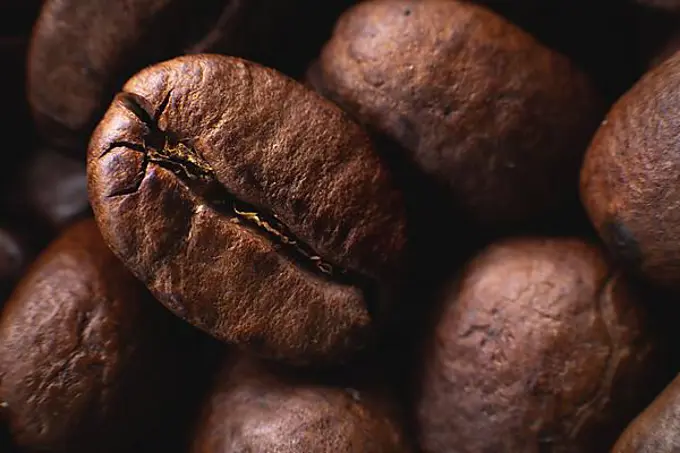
540,347
257,408
88,362
71,84
50,189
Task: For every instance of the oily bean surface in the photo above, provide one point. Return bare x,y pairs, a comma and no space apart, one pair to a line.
250,206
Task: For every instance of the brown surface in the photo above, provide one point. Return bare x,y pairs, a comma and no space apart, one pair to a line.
83,356
82,52
539,348
259,410
479,105
630,173
203,203
657,429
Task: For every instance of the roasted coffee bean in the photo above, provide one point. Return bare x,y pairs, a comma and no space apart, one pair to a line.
628,180
657,429
82,52
85,354
50,189
499,120
253,408
250,206
540,347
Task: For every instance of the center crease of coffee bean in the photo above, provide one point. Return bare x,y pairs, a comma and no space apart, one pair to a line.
166,150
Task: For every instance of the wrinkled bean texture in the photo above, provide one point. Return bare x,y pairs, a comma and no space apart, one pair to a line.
657,429
250,206
630,173
497,119
82,356
256,409
82,52
539,348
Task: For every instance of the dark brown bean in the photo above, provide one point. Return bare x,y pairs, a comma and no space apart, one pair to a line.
49,189
628,180
86,357
254,408
499,120
82,52
539,348
250,206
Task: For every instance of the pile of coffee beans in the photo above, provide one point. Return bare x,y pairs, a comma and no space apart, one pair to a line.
341,226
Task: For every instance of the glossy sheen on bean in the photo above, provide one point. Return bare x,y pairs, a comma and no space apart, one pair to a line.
254,409
477,104
539,348
630,173
250,206
82,358
82,52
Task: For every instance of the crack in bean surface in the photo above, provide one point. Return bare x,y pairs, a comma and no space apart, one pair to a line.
168,151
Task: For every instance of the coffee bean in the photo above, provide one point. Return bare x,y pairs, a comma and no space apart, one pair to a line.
250,206
480,106
50,189
83,52
630,172
657,429
253,408
539,347
85,353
